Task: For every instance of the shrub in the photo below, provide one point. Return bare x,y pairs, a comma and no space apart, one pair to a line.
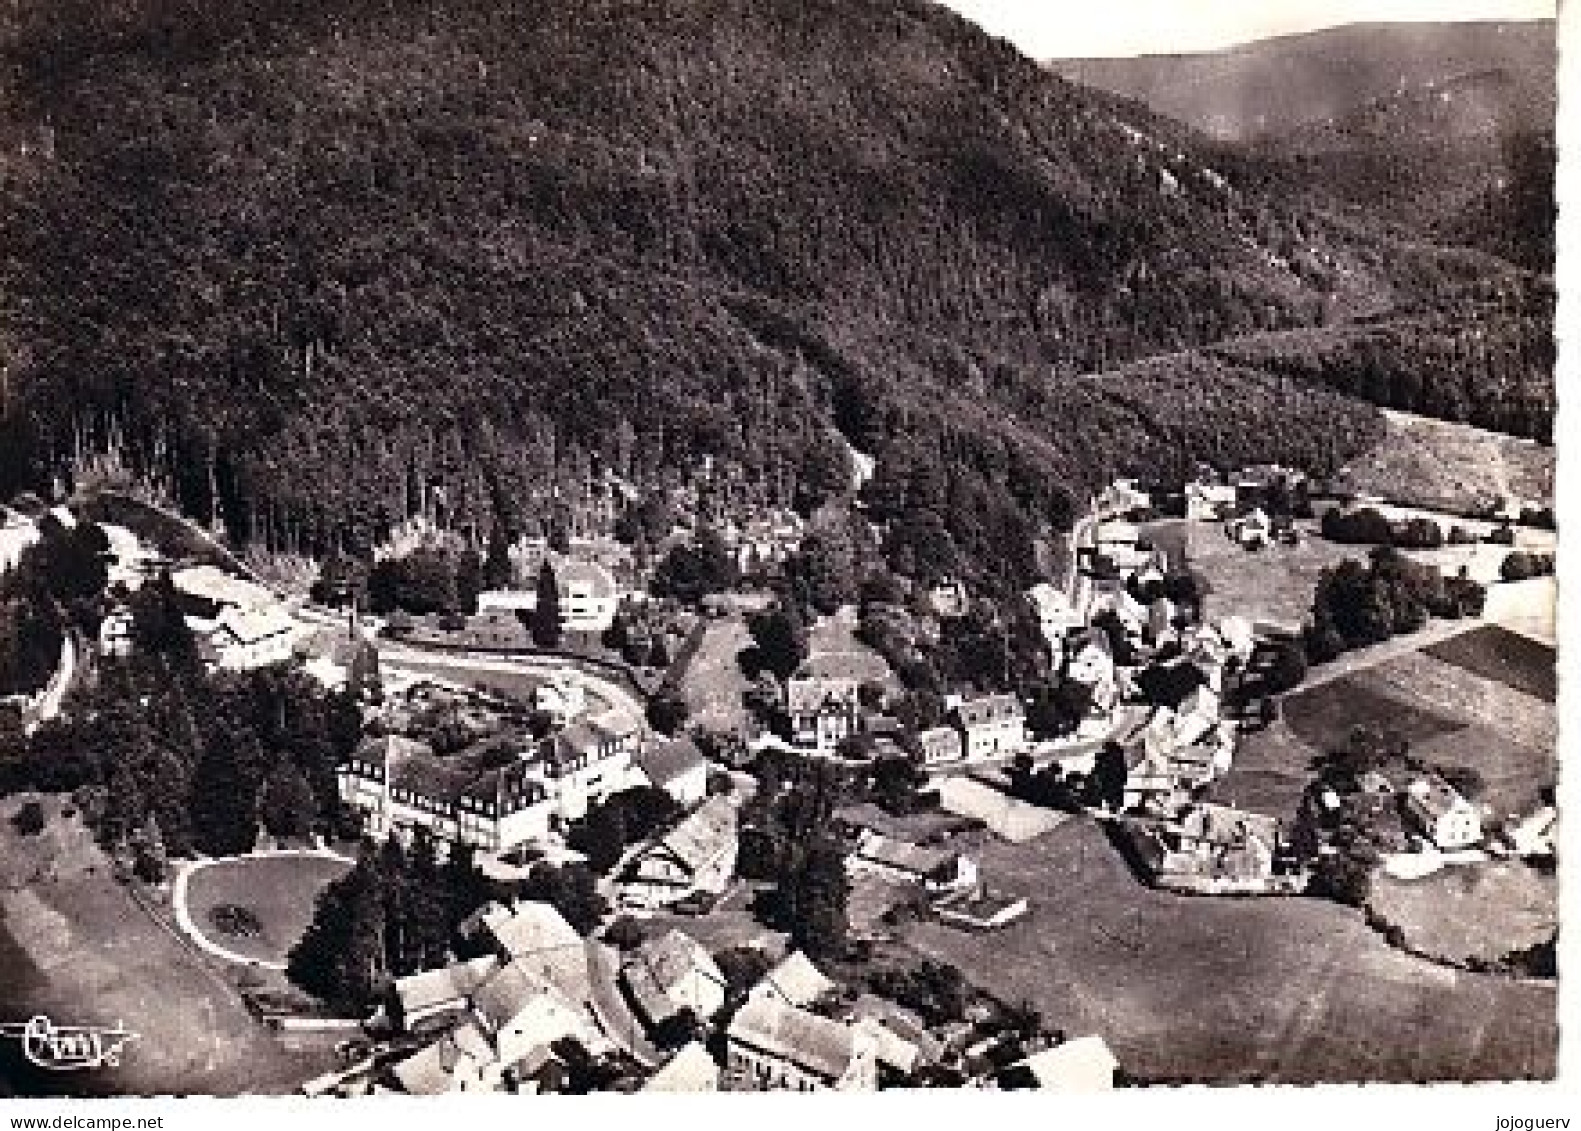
29,820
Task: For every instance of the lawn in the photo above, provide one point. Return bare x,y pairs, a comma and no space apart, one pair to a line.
1507,657
1322,717
75,946
714,684
835,652
1273,584
1235,990
1481,911
275,895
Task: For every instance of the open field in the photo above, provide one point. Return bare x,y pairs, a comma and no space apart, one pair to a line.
277,891
76,946
1450,715
1272,584
1234,990
1433,685
1481,911
714,684
1452,467
1323,716
1507,657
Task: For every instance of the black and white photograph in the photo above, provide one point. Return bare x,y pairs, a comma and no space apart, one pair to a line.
680,546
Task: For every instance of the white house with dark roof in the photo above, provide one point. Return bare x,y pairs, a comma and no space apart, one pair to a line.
496,794
824,711
1442,815
990,726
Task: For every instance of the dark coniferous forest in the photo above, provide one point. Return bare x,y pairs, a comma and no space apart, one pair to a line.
304,260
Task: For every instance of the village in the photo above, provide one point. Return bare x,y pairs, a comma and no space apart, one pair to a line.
548,729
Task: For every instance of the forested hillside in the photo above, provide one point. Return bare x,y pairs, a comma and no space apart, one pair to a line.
305,260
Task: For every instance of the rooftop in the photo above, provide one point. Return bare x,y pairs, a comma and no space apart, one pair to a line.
702,836
795,981
815,1044
988,709
664,762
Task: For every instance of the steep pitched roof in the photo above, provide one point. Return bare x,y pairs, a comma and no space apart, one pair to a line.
809,695
701,837
902,855
1075,1066
690,1070
795,981
529,926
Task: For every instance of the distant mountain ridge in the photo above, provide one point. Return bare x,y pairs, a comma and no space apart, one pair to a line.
303,257
1274,86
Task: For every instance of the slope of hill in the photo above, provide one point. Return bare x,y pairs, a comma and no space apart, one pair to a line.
302,259
1442,131
1273,86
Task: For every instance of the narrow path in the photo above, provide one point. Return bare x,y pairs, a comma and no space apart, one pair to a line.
183,914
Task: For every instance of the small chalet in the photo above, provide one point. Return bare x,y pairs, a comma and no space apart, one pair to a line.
823,711
698,855
1442,815
991,726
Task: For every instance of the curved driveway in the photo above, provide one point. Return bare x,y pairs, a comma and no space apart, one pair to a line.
183,914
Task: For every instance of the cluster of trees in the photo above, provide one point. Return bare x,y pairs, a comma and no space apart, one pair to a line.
1052,788
55,586
167,759
1521,565
400,909
1369,527
788,838
623,819
1483,355
320,355
426,581
1356,605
